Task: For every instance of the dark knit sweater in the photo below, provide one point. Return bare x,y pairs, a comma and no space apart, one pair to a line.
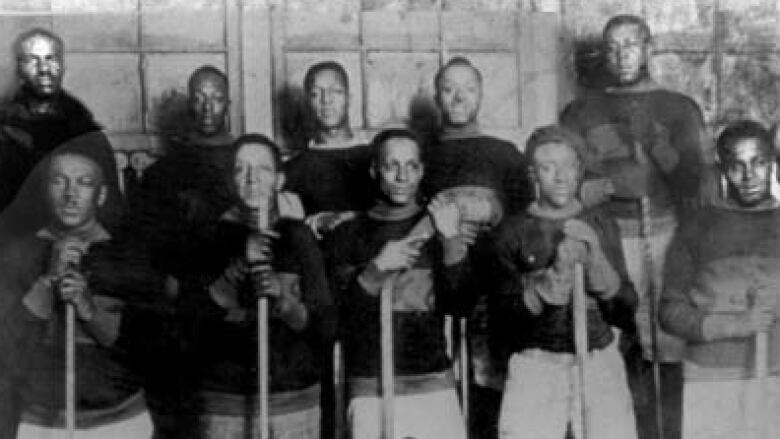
185,190
553,330
478,160
422,295
33,362
713,263
225,350
331,179
611,123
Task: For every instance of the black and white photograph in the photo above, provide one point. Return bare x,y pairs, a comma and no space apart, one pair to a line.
389,219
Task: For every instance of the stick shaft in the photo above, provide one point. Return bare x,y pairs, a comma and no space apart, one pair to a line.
388,363
465,362
262,367
645,232
761,366
70,373
580,316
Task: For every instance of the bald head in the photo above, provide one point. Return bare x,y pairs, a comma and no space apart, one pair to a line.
208,97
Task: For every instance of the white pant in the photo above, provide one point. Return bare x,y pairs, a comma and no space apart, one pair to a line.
670,348
137,427
728,409
431,415
539,396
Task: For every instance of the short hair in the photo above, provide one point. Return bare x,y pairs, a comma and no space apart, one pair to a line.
33,33
554,134
383,136
741,130
628,19
333,66
259,139
457,61
83,156
204,71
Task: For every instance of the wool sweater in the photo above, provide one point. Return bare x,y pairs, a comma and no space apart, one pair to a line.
720,262
223,337
423,294
331,179
612,122
518,253
33,365
479,160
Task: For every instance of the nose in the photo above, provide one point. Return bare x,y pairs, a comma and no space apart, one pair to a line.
402,176
750,174
458,95
208,106
43,67
326,97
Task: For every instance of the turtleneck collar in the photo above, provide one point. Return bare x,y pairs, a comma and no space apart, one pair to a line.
384,211
238,216
221,139
645,85
468,131
95,233
771,204
569,211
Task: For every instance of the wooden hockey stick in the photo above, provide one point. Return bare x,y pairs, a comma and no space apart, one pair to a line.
756,393
388,362
70,367
580,316
465,362
645,233
262,367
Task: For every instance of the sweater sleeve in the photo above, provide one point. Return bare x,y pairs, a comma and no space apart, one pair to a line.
619,309
517,184
314,285
453,274
689,138
678,314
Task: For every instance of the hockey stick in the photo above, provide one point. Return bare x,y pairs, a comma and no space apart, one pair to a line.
70,377
645,233
464,370
580,317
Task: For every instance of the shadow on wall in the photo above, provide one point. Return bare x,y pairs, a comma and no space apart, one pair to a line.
590,64
171,112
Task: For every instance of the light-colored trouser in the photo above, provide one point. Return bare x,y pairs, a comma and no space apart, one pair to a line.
430,415
730,409
670,348
539,396
137,427
301,424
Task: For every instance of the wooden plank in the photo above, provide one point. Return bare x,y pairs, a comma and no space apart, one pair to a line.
234,65
257,72
389,30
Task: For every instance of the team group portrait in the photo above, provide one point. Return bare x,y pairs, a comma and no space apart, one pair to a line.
389,219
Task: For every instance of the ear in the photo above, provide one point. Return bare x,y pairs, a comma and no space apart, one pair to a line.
372,170
102,196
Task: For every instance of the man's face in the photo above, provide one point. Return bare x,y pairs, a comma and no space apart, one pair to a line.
328,100
627,51
255,176
74,190
748,172
459,95
39,66
399,170
557,172
209,103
